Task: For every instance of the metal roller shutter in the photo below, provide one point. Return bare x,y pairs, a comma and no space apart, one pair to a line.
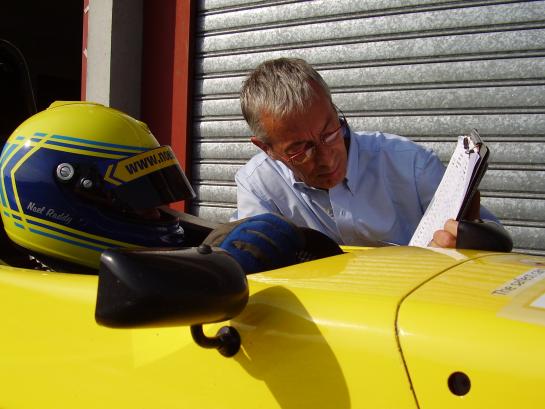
426,69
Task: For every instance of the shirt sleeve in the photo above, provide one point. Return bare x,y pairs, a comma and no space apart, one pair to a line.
488,215
429,171
249,202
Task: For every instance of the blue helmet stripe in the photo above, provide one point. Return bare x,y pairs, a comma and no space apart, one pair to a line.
75,243
2,197
76,236
103,144
8,193
8,148
87,148
8,160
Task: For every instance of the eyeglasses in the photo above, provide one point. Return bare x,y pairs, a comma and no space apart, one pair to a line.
309,150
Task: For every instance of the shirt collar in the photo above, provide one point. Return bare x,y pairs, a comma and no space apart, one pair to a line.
352,165
298,184
289,175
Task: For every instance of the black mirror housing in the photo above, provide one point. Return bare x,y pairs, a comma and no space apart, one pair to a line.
169,287
478,235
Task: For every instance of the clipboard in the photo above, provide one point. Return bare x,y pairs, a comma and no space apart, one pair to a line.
453,196
474,145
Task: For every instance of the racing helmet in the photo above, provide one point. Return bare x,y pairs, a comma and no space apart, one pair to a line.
79,178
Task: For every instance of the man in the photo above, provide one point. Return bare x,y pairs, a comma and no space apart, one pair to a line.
356,187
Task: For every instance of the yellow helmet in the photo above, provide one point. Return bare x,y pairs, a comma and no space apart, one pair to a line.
76,179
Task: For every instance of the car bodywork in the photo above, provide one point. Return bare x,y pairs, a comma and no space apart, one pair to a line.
391,327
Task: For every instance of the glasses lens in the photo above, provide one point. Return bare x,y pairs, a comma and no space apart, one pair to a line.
332,137
307,153
303,156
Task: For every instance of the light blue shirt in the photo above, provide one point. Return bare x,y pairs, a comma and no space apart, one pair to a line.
389,183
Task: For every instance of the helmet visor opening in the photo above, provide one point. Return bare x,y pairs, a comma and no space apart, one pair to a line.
150,179
164,186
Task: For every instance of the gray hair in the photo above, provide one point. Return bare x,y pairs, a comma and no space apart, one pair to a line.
279,87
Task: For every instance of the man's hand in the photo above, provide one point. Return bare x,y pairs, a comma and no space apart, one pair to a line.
447,236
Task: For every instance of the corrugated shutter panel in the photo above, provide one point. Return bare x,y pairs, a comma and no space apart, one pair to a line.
426,69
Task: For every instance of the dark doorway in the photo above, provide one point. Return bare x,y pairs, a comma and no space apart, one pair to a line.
49,36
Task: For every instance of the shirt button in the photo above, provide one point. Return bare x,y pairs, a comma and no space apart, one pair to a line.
342,212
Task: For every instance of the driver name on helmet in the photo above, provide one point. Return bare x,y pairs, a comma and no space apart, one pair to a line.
79,178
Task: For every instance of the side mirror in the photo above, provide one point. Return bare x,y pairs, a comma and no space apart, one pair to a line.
168,287
489,236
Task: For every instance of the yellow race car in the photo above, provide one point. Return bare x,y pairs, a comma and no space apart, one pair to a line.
392,327
127,323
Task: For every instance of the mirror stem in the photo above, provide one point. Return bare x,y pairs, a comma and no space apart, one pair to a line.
227,340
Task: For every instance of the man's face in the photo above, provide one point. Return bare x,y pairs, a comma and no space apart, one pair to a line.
326,167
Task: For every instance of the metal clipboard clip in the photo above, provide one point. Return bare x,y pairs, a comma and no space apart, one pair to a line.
472,142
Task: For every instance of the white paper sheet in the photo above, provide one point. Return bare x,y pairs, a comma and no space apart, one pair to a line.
449,196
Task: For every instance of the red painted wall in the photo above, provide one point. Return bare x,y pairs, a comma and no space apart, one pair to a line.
167,48
167,74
